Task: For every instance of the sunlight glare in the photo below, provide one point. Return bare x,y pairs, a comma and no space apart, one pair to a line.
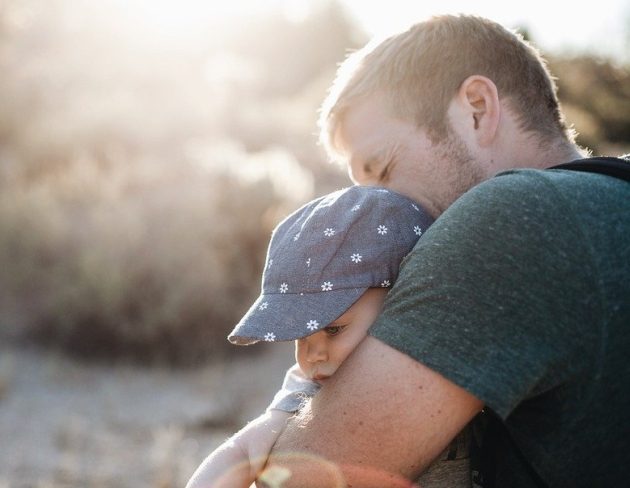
552,25
296,10
183,17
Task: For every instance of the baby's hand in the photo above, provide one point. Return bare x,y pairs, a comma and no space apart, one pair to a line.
237,462
260,436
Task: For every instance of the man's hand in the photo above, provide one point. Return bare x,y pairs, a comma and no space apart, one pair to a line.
380,422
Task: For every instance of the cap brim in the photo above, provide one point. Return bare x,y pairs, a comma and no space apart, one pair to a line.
291,316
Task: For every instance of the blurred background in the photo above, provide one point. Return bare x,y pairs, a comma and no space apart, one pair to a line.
147,149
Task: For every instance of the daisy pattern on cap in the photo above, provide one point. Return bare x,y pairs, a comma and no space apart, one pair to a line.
324,254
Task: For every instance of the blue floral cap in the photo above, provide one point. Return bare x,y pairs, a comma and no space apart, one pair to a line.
325,255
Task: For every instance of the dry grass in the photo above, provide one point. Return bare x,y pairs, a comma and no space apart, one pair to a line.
68,424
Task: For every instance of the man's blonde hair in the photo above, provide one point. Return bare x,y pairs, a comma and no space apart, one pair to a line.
419,71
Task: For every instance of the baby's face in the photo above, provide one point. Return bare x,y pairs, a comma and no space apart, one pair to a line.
320,354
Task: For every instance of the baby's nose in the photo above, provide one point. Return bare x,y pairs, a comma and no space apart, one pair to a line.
317,349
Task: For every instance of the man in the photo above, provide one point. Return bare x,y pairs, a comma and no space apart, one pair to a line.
517,299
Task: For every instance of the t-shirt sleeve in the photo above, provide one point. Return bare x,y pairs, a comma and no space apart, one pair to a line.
495,292
296,389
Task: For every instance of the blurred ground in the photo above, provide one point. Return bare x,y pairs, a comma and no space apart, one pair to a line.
68,424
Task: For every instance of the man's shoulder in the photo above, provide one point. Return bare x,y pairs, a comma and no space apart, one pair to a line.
535,190
555,179
546,180
514,194
531,215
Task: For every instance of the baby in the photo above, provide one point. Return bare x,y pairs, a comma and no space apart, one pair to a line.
328,269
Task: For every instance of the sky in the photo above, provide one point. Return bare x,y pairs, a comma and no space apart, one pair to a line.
602,27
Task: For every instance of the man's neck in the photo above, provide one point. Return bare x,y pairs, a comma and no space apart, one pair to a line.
562,152
537,155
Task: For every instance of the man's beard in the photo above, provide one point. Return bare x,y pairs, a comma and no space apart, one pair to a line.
462,170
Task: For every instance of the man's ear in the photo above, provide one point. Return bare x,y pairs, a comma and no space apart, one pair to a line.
479,98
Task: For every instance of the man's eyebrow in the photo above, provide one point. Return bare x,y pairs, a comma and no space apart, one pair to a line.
390,158
376,159
369,164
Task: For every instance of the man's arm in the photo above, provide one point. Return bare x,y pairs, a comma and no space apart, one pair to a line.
380,421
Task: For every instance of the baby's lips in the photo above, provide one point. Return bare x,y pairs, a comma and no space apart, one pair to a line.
320,378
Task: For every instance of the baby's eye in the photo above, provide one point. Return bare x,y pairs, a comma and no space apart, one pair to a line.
333,330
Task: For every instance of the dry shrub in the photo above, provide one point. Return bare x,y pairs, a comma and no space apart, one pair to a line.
152,264
141,173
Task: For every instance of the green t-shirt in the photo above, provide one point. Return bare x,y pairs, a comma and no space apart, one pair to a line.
520,293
